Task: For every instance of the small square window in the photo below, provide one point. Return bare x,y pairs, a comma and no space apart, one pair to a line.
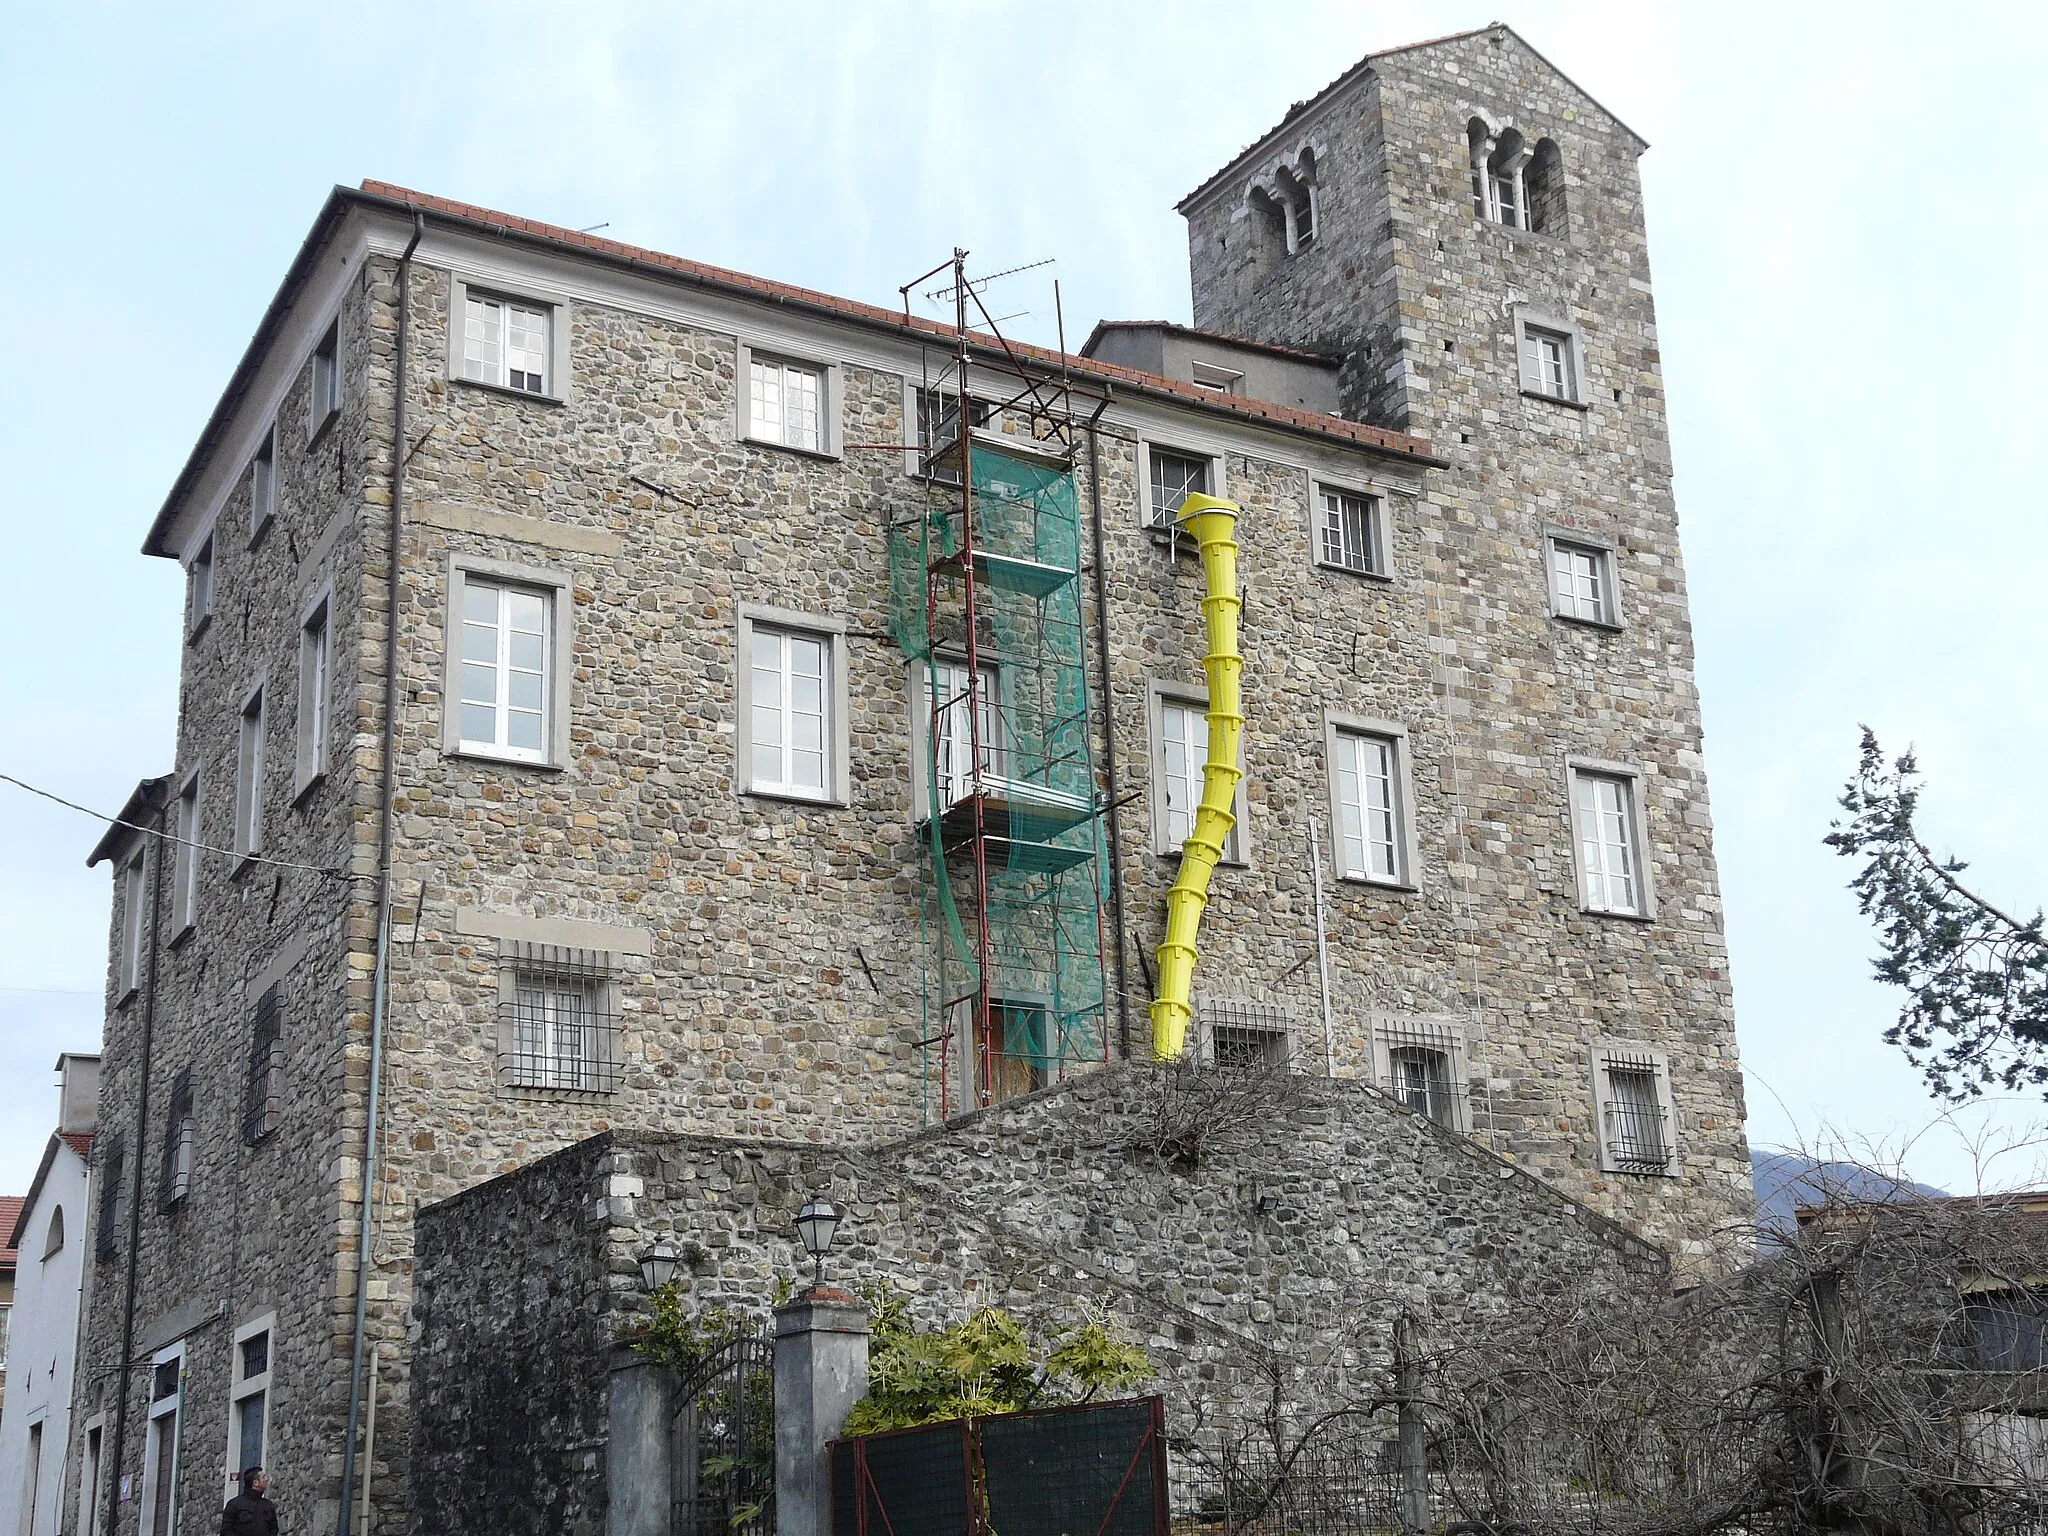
1370,794
1348,532
786,403
1246,1036
1582,582
506,342
315,658
199,587
1224,381
559,1019
1607,827
249,778
1170,479
790,734
1180,755
1632,1099
324,397
1549,363
263,484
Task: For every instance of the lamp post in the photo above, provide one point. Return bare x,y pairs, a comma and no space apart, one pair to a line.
658,1263
816,1225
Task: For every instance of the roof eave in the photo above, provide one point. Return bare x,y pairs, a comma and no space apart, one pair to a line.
145,799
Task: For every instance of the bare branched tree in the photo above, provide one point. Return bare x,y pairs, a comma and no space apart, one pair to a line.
1975,977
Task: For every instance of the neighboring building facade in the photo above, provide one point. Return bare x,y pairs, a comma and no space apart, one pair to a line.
10,1211
657,856
46,1238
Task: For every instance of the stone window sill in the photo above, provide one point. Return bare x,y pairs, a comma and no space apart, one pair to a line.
1570,405
503,760
487,387
823,455
1606,626
199,627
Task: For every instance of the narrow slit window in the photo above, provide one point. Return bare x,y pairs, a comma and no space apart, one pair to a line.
263,1091
181,1141
200,581
314,665
249,778
324,397
263,483
185,859
134,892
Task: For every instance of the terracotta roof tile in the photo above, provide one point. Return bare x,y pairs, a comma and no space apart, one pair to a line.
10,1214
1292,417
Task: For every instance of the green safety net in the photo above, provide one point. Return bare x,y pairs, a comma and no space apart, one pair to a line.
1042,837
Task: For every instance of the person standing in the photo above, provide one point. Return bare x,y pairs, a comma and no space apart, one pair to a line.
250,1513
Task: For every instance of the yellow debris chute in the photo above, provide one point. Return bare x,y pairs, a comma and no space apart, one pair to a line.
1214,524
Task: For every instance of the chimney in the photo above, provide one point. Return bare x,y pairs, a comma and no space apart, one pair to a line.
78,1094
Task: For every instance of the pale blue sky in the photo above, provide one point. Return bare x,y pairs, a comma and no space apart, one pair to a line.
1846,218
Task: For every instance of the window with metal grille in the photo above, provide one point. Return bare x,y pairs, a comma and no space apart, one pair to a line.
1247,1037
1635,1112
559,1020
1348,532
1171,479
1420,1063
262,1101
112,1164
181,1138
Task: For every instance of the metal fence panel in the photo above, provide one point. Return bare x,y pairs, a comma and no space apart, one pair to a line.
1095,1470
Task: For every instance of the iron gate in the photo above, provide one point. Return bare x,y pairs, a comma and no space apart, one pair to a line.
724,1443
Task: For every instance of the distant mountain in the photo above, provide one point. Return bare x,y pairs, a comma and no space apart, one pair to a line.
1784,1181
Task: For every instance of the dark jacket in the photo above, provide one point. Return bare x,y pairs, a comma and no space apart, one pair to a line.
249,1514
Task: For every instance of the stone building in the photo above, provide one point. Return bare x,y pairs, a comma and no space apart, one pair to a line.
660,774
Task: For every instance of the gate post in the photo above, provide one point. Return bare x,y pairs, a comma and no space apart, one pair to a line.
638,1455
1412,1443
821,1371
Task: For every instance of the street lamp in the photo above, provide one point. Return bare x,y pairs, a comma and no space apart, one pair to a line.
658,1263
816,1224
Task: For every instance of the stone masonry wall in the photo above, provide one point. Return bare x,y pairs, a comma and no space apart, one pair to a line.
257,1231
1280,1258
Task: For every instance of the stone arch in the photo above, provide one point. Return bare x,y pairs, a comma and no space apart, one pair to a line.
1543,182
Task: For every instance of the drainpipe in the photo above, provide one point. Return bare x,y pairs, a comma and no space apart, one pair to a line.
1116,841
380,985
113,1464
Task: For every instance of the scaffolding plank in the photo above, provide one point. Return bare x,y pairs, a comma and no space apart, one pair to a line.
1009,573
1041,809
1035,858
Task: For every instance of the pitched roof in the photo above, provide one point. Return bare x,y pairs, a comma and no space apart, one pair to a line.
143,802
1301,108
10,1218
388,197
1273,348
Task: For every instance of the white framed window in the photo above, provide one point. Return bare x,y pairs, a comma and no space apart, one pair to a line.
1582,581
1638,1123
1170,476
1419,1062
1607,833
323,398
1371,801
185,859
249,755
251,1354
134,893
507,663
263,484
199,588
791,402
505,342
558,1018
947,733
1242,1036
1552,356
160,1441
793,728
1350,532
315,669
1178,715
1212,376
